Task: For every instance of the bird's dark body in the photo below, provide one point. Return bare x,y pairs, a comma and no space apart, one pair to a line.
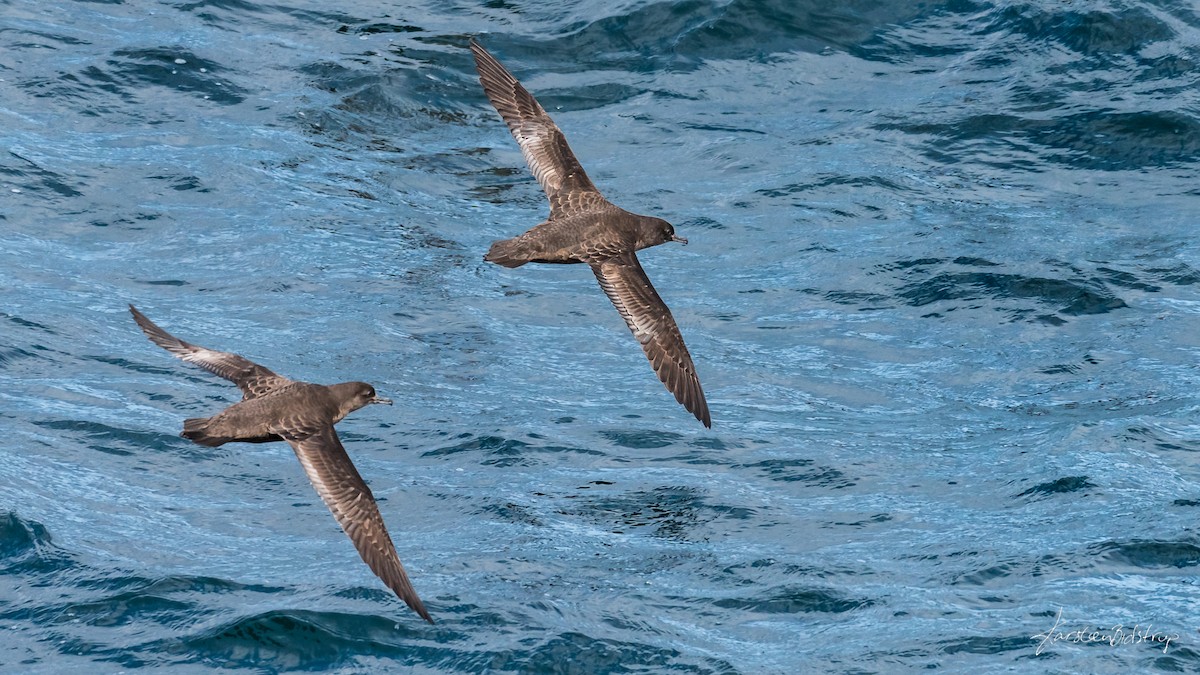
274,408
584,227
258,420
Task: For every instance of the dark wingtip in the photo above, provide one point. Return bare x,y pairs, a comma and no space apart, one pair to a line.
142,320
417,606
476,48
150,328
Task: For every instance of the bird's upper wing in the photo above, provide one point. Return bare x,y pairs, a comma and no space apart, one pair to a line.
542,143
626,284
346,494
253,379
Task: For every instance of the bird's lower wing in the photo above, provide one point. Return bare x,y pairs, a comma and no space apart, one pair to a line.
626,284
346,494
253,379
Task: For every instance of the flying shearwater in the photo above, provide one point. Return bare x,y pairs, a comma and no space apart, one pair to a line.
584,227
274,408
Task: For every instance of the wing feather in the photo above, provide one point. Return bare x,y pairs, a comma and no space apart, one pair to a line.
627,286
542,143
253,379
346,494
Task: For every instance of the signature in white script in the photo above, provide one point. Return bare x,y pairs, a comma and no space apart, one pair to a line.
1117,635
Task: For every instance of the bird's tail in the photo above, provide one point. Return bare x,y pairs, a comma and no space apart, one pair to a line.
195,429
506,252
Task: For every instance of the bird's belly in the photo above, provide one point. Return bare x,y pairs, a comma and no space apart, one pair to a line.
269,438
557,259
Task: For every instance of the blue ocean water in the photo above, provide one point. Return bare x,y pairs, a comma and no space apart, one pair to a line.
942,290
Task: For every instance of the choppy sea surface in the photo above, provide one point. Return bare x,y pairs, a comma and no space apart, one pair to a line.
942,290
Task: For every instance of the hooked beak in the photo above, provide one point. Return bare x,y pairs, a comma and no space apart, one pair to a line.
679,239
380,399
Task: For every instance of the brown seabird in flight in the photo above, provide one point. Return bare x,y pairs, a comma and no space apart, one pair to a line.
584,227
274,408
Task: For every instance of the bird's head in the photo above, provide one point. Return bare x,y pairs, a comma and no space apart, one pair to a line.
358,394
655,231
